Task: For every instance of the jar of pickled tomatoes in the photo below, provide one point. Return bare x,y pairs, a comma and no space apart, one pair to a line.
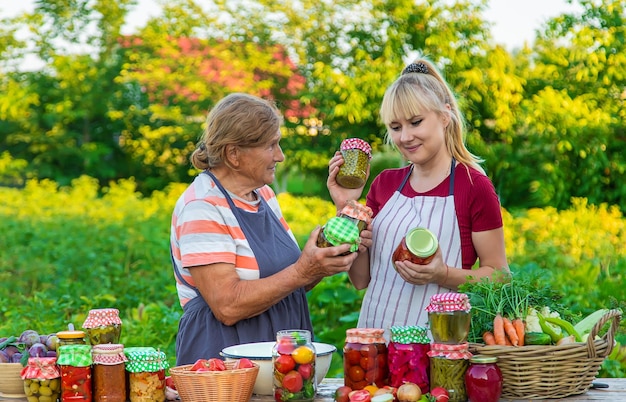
293,359
146,374
75,363
365,355
408,356
483,379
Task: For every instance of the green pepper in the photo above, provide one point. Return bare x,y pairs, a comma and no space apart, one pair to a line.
548,329
565,326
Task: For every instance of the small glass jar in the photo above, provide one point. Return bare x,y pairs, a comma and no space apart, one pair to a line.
103,326
293,360
42,379
71,337
146,374
483,379
448,364
357,213
356,158
76,381
337,231
419,246
408,356
365,356
109,373
449,317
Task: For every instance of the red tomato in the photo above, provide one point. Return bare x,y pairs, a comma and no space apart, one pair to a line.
243,363
362,395
292,382
440,394
284,364
170,382
368,363
341,394
285,347
200,363
356,373
305,370
212,364
352,357
369,350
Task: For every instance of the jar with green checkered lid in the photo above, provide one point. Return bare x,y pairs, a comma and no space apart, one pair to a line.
146,372
339,230
408,356
75,363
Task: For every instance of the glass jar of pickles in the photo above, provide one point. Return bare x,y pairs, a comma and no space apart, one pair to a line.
357,213
103,326
71,337
408,356
339,230
356,158
109,373
293,359
42,379
75,364
448,364
483,379
449,317
365,356
146,374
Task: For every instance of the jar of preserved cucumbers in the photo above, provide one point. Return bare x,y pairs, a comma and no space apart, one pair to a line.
408,356
146,374
337,231
42,379
365,358
357,213
449,317
448,364
71,337
103,326
75,364
356,158
293,359
109,373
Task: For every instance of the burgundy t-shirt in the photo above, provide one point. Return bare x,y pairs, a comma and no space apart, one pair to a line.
476,203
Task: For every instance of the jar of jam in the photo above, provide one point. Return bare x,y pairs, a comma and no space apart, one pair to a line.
337,231
483,379
42,379
293,359
103,326
146,374
408,356
109,373
449,317
357,213
448,364
365,358
75,364
356,158
419,246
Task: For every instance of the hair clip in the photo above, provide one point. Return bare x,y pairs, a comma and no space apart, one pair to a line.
202,147
416,68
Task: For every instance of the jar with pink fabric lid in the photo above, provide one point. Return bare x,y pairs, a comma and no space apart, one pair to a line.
103,326
448,364
449,316
356,159
109,372
357,213
42,379
365,357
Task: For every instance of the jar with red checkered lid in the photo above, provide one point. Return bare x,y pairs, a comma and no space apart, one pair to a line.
356,159
109,372
449,317
103,326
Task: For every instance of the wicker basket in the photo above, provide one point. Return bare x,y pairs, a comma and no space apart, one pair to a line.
11,383
537,372
232,385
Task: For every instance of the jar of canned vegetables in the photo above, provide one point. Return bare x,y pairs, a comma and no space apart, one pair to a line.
365,358
448,364
408,356
71,337
146,374
293,359
103,326
356,158
75,364
357,213
337,231
42,379
449,317
109,373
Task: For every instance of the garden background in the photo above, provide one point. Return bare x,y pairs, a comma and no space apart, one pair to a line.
94,146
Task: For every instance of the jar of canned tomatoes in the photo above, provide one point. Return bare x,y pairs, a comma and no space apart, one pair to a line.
146,374
75,363
408,356
103,326
109,373
448,364
449,317
365,358
42,379
293,359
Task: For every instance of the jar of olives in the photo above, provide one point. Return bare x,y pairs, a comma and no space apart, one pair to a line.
75,364
356,158
365,358
408,356
449,317
146,374
103,326
448,364
339,230
109,373
42,379
293,359
357,213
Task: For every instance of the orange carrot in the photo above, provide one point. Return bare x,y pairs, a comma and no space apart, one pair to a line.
510,331
518,324
488,338
498,330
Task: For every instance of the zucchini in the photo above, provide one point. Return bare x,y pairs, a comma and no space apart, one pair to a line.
537,338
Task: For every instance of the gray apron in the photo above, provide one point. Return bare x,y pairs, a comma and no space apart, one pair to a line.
201,335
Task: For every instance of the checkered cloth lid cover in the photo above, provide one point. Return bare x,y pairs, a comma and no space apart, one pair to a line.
339,230
409,334
446,302
74,355
452,352
41,368
102,317
365,335
356,143
145,360
356,210
108,354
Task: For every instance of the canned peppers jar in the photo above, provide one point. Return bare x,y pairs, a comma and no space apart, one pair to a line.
76,377
356,158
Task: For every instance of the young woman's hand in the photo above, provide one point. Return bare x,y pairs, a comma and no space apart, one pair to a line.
340,195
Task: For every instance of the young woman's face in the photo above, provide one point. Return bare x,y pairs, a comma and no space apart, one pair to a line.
259,163
419,138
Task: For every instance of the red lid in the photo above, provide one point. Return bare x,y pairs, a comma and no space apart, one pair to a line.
356,143
453,352
365,335
41,368
102,318
445,302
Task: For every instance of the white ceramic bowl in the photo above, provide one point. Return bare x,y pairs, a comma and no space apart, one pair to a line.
261,353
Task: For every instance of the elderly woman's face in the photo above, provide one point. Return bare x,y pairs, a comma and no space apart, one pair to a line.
259,163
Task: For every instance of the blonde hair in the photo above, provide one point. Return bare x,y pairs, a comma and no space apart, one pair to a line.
422,88
237,119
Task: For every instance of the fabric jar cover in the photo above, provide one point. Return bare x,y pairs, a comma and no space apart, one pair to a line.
356,143
108,354
409,334
102,317
452,352
340,230
356,210
41,368
365,335
447,302
75,355
145,360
